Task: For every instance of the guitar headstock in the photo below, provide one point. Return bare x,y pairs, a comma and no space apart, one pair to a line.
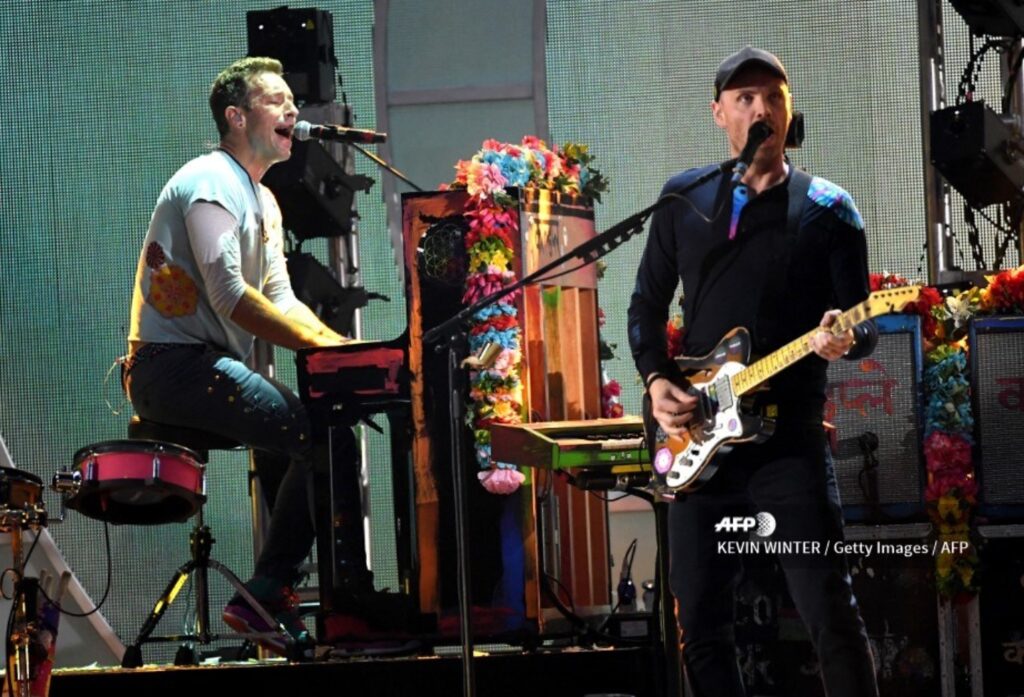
883,302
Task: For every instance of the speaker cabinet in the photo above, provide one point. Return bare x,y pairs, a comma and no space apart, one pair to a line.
997,392
896,592
876,407
303,40
1001,607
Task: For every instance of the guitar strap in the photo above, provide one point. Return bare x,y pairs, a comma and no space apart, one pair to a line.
767,330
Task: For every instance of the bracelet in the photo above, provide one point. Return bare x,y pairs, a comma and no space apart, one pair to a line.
853,345
651,378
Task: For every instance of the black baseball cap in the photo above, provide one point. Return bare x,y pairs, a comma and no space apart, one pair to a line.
745,58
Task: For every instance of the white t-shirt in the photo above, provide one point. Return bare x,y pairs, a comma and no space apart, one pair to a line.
190,277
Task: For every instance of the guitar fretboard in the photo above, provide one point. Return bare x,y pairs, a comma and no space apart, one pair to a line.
879,303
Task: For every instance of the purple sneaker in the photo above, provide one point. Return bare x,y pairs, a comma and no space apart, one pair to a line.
281,602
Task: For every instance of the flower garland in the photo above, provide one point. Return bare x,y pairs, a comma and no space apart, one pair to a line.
951,493
492,214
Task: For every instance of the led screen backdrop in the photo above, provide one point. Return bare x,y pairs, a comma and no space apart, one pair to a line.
104,101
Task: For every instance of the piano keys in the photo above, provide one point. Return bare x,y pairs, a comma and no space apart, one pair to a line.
352,381
557,445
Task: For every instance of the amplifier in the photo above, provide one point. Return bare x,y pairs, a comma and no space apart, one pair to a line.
1001,607
997,393
876,406
894,583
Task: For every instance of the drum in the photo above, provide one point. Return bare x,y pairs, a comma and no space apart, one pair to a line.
139,482
21,499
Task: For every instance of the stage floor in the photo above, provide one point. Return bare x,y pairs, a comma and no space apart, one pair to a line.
566,672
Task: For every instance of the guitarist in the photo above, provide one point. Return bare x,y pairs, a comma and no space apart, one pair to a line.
774,251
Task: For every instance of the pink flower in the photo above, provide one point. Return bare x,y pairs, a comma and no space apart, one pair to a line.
945,485
484,179
946,452
534,143
501,481
482,284
508,358
612,410
612,388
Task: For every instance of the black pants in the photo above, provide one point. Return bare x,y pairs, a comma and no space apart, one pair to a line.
215,392
791,477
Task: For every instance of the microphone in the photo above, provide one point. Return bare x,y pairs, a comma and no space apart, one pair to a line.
304,130
758,133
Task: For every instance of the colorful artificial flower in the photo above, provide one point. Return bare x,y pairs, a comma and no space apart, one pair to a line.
1005,292
675,333
886,280
492,216
611,393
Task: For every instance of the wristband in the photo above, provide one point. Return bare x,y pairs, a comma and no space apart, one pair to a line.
651,378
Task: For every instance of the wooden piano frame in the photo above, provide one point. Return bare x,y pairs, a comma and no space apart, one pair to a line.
561,381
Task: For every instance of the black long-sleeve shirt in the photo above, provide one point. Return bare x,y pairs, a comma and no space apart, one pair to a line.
726,282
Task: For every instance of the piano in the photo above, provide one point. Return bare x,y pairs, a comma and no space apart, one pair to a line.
561,381
349,383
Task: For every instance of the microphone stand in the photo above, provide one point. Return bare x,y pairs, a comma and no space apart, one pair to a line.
451,335
385,165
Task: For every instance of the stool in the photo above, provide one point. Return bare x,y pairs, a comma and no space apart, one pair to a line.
200,542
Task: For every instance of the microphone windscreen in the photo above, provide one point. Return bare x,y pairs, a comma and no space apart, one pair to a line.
302,129
759,131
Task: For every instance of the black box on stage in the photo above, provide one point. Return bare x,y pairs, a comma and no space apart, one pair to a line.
1001,607
997,394
303,40
875,403
315,194
895,588
976,152
315,286
992,17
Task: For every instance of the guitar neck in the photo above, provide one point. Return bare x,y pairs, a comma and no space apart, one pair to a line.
780,359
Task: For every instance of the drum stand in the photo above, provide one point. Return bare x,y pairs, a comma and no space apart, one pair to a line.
200,542
26,594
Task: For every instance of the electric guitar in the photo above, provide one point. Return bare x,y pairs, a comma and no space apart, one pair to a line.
721,379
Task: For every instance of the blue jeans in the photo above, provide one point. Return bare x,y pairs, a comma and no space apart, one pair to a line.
209,390
791,477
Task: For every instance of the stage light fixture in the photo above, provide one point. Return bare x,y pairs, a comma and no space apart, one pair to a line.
979,153
303,40
992,17
314,192
315,286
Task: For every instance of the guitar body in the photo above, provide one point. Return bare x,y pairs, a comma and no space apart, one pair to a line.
722,381
683,463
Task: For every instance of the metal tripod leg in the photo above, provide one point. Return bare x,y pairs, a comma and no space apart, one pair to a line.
200,541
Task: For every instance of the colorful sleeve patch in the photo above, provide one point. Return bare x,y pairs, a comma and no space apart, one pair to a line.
172,292
835,198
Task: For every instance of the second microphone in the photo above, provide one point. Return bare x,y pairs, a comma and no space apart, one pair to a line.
304,130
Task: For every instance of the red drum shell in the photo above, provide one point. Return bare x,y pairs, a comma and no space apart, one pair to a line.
139,482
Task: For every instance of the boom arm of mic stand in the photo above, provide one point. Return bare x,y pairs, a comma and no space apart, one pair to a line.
589,251
383,164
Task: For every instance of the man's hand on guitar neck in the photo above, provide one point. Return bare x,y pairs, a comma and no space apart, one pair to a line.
671,405
828,345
